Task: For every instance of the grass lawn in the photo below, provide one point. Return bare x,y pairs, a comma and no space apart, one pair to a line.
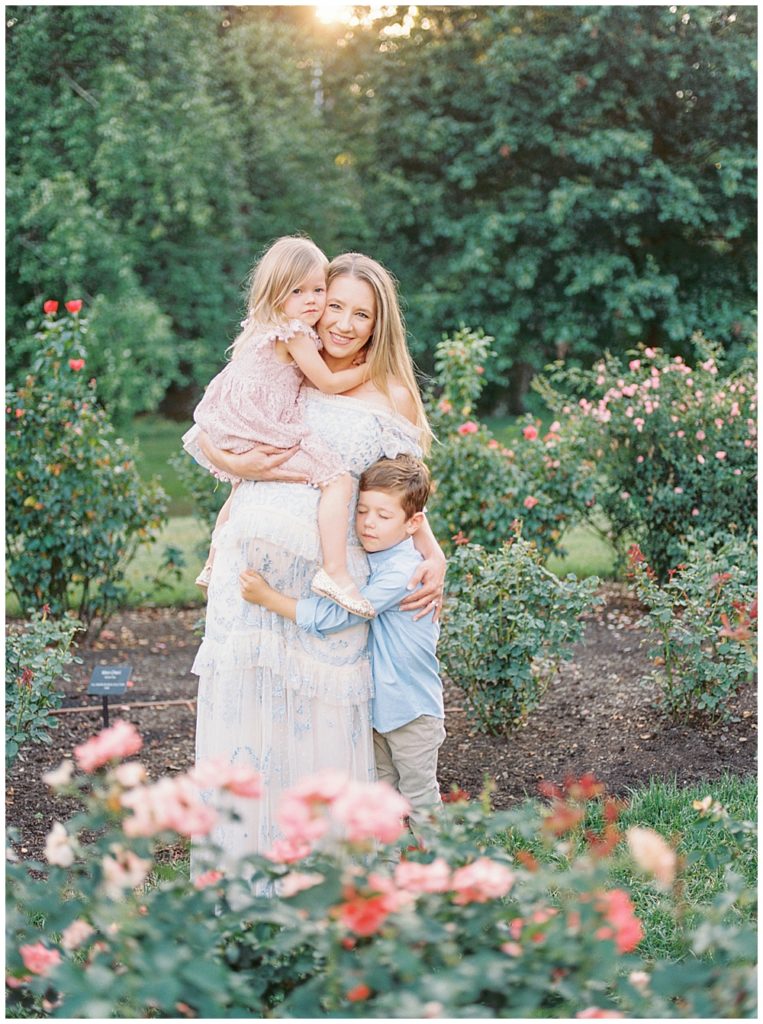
667,808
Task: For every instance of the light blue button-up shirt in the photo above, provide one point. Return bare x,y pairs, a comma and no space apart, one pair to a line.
403,649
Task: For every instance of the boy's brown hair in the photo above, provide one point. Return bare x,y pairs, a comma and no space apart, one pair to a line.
405,476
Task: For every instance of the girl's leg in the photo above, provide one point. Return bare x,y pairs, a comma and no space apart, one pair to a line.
202,580
333,519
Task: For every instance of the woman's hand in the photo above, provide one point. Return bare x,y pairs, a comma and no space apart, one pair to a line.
260,463
428,597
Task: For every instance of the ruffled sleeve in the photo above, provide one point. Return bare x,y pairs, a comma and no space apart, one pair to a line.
287,332
399,437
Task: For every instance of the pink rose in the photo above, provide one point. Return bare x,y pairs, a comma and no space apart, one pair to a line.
622,924
445,406
285,851
480,881
58,848
695,512
207,878
237,779
125,870
634,364
76,933
121,740
364,916
470,427
371,811
720,455
297,881
530,502
414,877
74,305
701,460
173,805
529,433
50,306
700,435
38,959
653,855
650,353
76,364
492,443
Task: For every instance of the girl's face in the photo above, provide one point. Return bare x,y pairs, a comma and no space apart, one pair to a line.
348,321
308,300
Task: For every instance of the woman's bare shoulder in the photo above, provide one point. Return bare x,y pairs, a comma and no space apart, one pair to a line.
397,400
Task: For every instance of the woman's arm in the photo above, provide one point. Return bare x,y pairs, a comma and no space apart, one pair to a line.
330,382
260,463
431,575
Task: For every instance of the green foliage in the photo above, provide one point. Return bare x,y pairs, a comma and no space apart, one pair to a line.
508,624
185,140
527,937
76,507
207,494
481,487
570,177
676,445
703,623
35,657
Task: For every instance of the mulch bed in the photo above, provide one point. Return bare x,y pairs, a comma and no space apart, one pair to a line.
596,716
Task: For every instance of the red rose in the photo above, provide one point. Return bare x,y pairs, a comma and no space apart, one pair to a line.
50,306
76,364
74,305
357,994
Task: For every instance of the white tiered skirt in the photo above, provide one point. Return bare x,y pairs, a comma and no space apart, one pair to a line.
271,697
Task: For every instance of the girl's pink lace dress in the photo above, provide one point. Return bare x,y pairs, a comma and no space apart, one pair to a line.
257,399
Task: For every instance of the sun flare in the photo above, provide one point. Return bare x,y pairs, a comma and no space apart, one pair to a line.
331,13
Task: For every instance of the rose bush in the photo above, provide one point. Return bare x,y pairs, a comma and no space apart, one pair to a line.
675,445
703,624
76,508
36,654
454,928
481,486
507,624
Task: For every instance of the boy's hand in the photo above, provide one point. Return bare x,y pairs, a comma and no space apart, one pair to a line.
254,588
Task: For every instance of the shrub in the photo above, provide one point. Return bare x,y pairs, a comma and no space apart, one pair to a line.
206,492
481,486
508,624
76,506
457,928
35,656
703,624
676,446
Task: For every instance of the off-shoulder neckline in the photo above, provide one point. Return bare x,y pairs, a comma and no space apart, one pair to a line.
397,417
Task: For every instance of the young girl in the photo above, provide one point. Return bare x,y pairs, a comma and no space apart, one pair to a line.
257,399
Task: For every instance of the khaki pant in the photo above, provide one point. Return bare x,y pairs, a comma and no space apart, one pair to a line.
406,758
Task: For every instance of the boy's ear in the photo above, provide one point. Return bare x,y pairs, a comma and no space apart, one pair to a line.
412,524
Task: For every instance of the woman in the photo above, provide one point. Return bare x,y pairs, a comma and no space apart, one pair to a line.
271,697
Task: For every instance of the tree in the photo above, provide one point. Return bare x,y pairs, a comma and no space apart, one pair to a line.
567,178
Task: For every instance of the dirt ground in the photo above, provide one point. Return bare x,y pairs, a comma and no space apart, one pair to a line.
595,717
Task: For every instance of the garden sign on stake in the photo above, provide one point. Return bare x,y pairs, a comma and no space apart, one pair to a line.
109,681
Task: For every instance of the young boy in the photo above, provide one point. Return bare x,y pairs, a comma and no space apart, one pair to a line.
408,714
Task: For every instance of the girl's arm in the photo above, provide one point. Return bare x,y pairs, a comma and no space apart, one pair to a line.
431,575
260,463
308,359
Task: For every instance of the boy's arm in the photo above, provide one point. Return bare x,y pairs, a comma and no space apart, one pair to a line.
318,615
256,590
306,356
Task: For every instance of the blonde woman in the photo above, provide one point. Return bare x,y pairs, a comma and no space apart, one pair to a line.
271,697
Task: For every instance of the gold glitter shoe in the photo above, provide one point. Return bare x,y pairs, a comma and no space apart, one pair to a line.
324,585
202,580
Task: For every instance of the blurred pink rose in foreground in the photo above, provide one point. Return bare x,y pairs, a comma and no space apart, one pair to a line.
119,741
480,881
38,959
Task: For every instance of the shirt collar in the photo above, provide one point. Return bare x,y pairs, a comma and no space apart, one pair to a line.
405,546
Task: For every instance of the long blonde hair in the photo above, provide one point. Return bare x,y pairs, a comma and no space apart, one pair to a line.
388,356
288,262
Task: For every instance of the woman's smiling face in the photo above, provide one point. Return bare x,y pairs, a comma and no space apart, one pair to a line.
348,320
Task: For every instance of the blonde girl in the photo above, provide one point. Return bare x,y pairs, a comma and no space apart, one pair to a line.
258,400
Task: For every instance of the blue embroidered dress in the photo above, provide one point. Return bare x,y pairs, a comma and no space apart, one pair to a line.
271,697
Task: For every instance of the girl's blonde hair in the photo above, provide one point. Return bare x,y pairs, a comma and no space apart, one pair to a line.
388,357
285,264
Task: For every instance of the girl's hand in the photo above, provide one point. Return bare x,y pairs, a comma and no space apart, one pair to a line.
428,598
